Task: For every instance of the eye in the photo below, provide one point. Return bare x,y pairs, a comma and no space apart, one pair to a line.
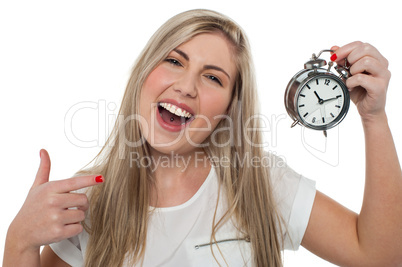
173,61
214,79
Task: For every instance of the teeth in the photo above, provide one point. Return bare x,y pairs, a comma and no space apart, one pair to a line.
176,110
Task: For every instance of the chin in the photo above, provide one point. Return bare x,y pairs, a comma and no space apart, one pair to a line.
176,146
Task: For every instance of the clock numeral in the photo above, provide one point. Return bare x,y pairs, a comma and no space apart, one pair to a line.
327,81
313,120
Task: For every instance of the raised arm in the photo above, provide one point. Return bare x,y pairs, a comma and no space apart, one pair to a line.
373,237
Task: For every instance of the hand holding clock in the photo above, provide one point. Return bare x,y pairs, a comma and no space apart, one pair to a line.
374,236
366,79
370,77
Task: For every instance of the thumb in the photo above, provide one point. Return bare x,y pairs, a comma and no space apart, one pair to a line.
42,176
335,47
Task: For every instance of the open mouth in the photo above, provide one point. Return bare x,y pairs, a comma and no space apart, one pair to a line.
173,115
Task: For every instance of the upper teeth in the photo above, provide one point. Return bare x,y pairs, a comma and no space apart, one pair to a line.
175,110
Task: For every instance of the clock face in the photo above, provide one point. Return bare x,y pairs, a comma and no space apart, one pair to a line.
321,101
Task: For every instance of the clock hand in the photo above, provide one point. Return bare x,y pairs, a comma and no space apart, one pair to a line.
319,99
329,99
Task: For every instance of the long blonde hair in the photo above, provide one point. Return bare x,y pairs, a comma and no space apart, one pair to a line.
119,209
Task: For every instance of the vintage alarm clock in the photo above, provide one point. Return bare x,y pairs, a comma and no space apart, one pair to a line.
316,97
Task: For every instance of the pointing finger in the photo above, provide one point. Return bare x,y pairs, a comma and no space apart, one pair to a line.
76,183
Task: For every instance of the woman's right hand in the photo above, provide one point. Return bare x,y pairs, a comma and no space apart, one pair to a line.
50,212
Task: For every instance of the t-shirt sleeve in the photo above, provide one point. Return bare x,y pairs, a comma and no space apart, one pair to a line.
294,196
69,250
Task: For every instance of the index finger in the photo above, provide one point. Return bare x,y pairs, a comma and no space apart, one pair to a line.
76,183
344,51
357,50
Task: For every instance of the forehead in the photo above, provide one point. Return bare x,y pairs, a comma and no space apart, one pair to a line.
212,41
213,47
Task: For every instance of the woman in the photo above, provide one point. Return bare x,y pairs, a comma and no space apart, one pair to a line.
174,185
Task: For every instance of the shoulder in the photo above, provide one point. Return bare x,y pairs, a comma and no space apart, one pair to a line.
279,170
284,181
294,196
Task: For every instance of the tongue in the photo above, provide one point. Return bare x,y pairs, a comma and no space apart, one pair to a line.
171,118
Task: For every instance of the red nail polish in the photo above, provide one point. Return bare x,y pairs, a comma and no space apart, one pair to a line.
334,57
99,179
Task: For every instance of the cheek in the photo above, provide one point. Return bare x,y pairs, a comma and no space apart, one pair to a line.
215,103
157,81
212,104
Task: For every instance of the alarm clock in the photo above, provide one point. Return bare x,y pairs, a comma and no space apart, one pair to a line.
317,98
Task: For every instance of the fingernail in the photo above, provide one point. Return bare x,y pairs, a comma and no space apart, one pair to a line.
334,57
99,179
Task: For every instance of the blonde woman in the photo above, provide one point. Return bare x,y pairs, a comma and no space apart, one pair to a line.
183,180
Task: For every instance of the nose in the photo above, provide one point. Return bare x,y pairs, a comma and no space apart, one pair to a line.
186,85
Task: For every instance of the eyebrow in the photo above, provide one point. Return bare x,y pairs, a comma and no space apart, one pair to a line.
206,67
213,67
181,53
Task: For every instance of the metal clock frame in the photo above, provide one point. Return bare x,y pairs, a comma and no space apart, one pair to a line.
299,80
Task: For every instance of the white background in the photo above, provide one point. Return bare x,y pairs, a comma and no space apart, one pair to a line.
57,54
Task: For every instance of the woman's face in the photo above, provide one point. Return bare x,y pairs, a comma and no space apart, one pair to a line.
182,98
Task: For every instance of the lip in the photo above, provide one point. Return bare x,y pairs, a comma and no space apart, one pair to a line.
169,127
180,105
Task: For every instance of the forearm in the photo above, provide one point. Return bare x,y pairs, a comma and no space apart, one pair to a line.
15,254
379,223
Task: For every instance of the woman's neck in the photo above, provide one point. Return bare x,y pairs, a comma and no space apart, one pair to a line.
177,176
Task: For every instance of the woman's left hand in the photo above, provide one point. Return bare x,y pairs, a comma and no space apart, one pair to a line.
373,237
370,77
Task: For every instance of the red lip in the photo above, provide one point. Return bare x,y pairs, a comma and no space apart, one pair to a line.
180,105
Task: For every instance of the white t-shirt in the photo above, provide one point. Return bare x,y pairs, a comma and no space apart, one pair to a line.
180,235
